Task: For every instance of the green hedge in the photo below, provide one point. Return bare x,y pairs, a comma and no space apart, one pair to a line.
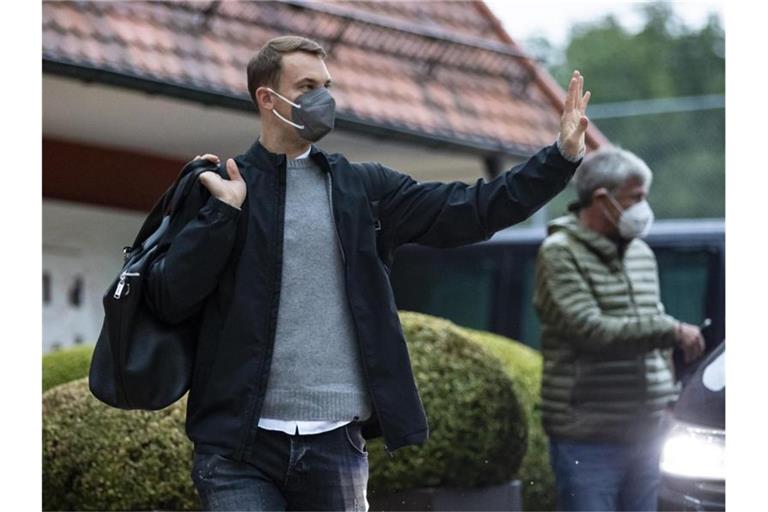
97,457
66,365
478,430
523,365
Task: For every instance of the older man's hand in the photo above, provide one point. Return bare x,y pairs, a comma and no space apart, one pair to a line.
574,122
690,340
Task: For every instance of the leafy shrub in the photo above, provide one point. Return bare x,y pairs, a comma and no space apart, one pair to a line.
96,457
66,365
523,365
478,430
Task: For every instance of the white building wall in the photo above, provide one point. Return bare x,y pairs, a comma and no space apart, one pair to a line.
113,117
81,243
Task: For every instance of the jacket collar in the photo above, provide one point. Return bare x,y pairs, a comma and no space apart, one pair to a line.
597,243
262,158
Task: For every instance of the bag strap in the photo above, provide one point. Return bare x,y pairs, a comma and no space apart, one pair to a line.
170,201
183,185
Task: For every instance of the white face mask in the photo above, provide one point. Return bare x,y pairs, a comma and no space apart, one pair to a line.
635,221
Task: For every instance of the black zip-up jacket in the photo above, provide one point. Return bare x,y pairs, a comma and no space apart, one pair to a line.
224,268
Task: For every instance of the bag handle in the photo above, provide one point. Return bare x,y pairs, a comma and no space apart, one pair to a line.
168,203
183,185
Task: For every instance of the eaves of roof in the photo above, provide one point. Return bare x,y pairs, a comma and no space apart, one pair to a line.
423,84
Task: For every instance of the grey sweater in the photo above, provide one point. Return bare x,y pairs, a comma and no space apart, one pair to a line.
316,371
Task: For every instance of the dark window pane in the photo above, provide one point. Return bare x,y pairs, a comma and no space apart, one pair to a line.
46,288
458,288
530,330
76,292
683,279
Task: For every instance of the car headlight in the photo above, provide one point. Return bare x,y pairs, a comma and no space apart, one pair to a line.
694,452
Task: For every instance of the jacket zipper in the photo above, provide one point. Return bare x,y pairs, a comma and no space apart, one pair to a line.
277,280
346,292
629,287
641,358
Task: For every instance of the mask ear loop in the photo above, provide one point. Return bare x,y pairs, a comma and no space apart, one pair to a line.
614,202
616,205
284,98
294,105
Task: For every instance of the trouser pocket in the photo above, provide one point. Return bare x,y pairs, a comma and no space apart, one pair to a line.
204,466
355,439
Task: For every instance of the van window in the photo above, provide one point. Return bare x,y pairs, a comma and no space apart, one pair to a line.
491,287
529,320
683,281
457,287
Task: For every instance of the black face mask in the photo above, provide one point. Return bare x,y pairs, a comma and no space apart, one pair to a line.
313,113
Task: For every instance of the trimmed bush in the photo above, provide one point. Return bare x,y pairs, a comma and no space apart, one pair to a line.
523,365
66,365
478,430
96,457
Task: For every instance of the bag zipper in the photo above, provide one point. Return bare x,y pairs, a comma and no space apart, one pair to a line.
121,284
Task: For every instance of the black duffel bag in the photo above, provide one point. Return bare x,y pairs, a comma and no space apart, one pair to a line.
139,361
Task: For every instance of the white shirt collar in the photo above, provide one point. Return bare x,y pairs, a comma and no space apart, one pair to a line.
303,155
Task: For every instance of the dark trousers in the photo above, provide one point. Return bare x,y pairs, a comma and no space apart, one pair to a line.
326,471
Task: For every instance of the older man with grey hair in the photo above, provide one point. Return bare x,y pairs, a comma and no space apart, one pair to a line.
606,340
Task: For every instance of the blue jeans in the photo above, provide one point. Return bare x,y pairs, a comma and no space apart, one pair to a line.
606,476
326,471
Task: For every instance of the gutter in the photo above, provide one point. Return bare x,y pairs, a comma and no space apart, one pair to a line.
207,94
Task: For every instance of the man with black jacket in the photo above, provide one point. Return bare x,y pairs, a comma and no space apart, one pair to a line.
300,355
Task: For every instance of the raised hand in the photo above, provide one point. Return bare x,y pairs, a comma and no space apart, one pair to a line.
231,191
574,122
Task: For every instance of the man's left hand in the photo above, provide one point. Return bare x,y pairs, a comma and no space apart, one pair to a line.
574,122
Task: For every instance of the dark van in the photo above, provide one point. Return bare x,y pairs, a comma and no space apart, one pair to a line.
489,285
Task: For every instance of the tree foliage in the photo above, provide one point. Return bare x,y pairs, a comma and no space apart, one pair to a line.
664,59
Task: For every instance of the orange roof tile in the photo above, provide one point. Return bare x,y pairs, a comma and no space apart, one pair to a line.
439,68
